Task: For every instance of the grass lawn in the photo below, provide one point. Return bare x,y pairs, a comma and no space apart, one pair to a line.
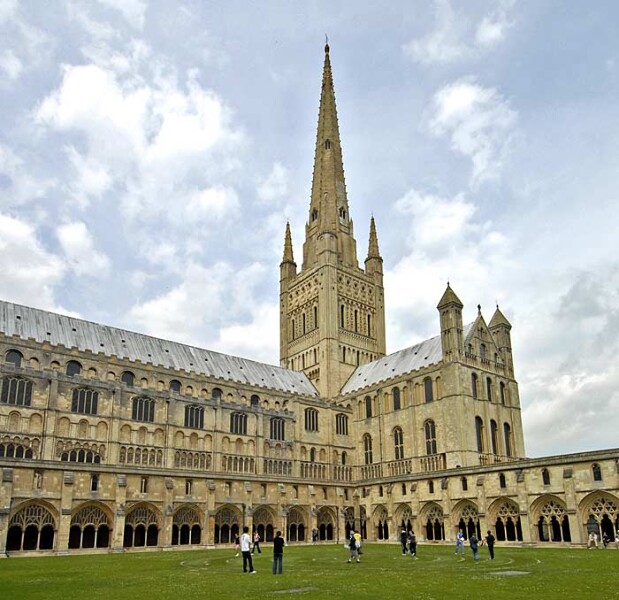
317,572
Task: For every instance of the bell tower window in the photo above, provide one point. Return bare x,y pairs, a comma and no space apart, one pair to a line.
327,144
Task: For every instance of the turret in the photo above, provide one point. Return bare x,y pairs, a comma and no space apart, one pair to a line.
452,336
287,268
374,261
500,329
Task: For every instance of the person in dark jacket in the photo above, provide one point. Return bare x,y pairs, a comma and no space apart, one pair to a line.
412,543
278,552
354,548
490,543
403,540
474,543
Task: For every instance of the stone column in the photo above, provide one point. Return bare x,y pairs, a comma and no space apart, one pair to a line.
119,521
66,503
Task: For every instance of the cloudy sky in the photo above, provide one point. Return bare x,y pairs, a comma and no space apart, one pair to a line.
151,152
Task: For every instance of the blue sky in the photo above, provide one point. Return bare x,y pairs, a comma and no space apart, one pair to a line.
151,152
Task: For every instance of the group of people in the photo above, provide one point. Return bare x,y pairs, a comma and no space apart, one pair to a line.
243,544
408,539
474,543
354,545
593,540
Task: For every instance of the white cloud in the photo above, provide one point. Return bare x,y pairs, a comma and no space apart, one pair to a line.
78,247
212,204
29,271
478,122
133,11
273,189
455,37
11,66
92,178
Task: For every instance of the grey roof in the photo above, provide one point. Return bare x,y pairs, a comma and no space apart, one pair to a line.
394,365
85,336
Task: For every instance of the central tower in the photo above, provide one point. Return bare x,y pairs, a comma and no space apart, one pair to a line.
332,314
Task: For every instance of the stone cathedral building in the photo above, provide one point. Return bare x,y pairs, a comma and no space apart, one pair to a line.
112,440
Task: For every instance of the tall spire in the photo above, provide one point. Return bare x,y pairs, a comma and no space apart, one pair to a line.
373,251
329,205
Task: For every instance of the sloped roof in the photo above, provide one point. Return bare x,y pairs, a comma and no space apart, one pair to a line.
394,365
85,336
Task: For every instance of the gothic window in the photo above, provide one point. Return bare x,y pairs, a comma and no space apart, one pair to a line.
489,388
369,325
398,443
368,407
381,493
546,476
396,398
342,212
292,329
32,528
465,484
502,483
344,455
479,433
188,487
194,416
81,456
341,424
175,386
73,368
84,401
507,431
277,428
315,317
254,400
482,351
427,387
343,354
128,378
311,419
430,431
494,436
314,215
94,483
216,394
342,315
474,385
367,449
238,423
502,392
304,328
356,321
11,450
403,489
17,391
14,357
431,487
144,485
143,409
597,472
327,144
312,456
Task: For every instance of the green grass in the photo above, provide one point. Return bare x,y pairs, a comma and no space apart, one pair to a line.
316,572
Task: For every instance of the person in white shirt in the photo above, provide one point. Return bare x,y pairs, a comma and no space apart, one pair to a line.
245,550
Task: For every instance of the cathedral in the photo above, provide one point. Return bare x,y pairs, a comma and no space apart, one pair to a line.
114,441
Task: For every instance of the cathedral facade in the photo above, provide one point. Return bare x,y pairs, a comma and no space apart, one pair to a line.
115,441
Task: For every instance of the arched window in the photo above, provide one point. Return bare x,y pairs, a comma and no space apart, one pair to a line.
128,378
546,476
194,416
479,432
398,443
597,472
367,449
84,401
311,419
427,386
502,392
465,484
507,432
327,144
175,386
489,388
430,431
143,409
238,423
304,328
369,325
73,368
94,483
254,400
482,351
314,215
502,483
216,394
344,457
315,317
356,321
396,398
342,315
474,385
81,456
494,436
277,428
16,390
14,357
341,424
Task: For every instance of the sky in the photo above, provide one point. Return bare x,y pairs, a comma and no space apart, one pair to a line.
152,151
